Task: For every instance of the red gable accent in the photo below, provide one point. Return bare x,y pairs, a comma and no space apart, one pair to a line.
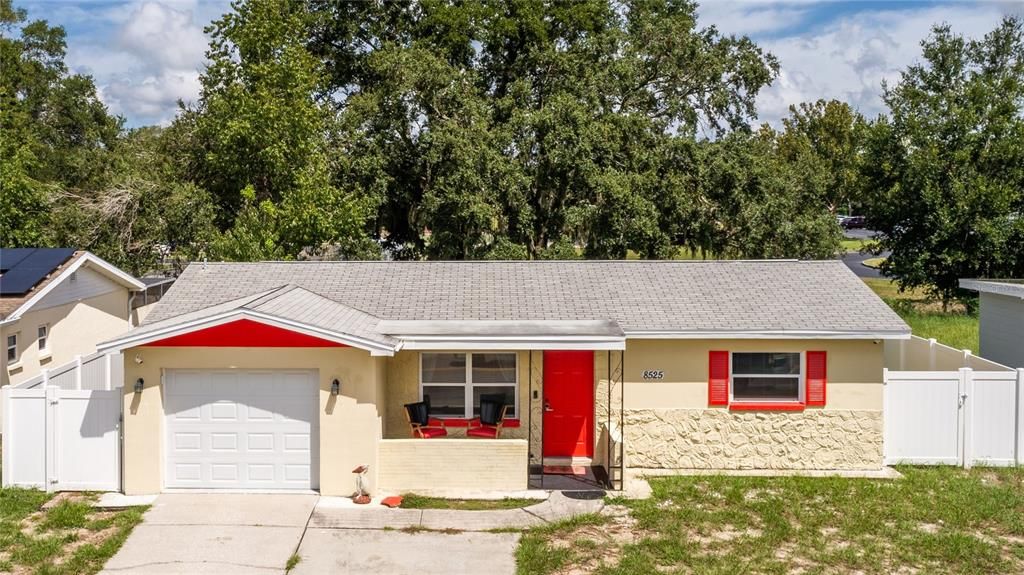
243,333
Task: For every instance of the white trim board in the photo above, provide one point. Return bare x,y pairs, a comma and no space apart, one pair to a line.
129,340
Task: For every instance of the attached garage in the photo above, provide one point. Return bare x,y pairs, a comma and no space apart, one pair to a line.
241,429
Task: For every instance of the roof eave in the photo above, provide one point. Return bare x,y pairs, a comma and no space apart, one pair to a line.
129,340
768,334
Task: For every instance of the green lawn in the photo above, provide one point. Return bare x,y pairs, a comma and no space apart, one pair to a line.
413,501
934,520
72,537
954,327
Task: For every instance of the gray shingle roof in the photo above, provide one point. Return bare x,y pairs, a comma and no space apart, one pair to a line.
713,296
291,303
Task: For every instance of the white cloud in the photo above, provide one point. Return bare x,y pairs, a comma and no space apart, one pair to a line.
848,57
165,36
152,97
749,18
144,56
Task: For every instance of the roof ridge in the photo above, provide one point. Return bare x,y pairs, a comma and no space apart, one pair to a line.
531,262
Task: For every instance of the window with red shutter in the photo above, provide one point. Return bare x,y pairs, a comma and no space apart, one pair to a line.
817,377
718,378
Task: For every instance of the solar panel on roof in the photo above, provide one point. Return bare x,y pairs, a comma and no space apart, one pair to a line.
30,268
10,257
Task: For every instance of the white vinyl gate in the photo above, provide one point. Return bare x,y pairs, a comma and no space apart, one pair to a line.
962,417
58,439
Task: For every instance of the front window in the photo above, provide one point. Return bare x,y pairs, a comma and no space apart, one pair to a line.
455,383
12,348
766,377
43,331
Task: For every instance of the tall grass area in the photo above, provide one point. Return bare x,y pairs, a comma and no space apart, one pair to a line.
956,327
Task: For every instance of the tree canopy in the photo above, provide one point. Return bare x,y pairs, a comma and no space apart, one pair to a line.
525,129
945,170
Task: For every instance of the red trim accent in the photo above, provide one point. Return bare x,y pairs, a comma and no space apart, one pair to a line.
718,378
766,406
243,333
817,377
463,422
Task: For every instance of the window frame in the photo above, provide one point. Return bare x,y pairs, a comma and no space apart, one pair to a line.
468,385
43,329
801,381
11,358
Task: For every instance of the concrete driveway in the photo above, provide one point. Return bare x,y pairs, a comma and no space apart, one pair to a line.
257,533
215,533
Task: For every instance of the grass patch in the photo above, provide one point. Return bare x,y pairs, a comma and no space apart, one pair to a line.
413,501
873,263
934,520
855,244
292,562
956,326
70,538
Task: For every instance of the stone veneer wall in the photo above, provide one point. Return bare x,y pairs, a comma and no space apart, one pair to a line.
721,439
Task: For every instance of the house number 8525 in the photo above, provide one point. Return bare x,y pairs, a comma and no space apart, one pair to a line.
654,374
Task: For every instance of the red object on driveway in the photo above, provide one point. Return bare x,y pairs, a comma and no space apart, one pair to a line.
393,501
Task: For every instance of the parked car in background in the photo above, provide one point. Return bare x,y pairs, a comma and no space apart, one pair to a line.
854,223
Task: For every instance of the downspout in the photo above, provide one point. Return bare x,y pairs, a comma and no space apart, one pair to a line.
131,301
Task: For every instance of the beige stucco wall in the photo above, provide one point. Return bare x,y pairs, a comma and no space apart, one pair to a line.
452,465
74,329
349,423
403,384
669,425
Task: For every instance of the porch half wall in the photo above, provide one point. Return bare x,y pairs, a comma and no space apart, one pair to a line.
452,466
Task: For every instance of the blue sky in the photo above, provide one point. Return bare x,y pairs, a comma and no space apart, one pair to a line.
145,55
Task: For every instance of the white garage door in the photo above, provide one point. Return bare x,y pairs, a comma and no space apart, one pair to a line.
241,429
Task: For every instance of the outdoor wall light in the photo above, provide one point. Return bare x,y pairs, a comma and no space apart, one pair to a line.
335,387
138,359
138,385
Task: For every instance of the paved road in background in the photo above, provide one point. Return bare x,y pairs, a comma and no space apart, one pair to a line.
855,261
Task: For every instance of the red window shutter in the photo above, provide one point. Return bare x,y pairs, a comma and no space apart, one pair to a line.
817,377
718,378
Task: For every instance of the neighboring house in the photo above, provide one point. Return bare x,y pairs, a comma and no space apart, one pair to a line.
56,303
1001,319
289,375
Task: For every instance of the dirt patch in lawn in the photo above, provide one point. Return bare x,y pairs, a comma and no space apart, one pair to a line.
597,546
62,534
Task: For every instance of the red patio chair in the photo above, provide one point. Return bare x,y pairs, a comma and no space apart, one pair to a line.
492,417
421,424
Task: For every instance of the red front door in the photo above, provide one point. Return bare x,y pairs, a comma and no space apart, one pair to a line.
568,403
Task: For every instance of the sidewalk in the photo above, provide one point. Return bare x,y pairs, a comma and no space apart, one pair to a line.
341,513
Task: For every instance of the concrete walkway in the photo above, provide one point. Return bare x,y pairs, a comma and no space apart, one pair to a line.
258,533
340,513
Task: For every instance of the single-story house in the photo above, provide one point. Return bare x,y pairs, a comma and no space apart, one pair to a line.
58,303
1001,319
289,375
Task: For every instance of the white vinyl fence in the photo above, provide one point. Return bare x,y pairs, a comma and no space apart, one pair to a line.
963,417
95,371
58,439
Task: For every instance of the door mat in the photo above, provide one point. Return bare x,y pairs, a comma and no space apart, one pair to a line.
565,470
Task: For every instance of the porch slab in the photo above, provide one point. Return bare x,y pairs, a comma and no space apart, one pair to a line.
438,519
397,553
